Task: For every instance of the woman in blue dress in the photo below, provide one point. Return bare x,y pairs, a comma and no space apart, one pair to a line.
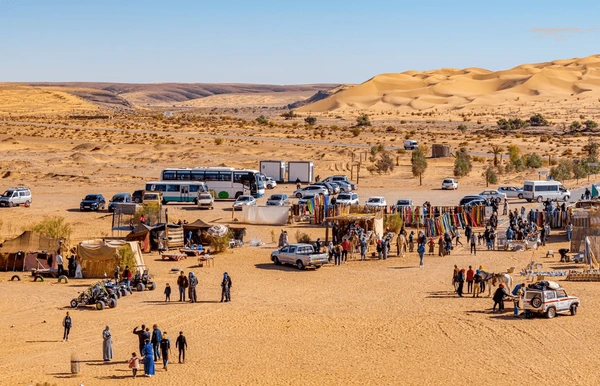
148,353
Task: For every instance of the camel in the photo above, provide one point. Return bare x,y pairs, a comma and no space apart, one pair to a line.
491,279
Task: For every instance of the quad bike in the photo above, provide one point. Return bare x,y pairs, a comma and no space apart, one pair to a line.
142,282
96,294
118,289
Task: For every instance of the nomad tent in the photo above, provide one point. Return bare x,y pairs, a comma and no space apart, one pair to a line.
99,258
150,235
369,222
29,250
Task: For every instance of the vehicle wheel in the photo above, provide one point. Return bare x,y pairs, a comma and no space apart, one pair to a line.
112,303
195,201
140,287
15,277
276,261
163,202
123,292
536,301
550,313
100,305
540,199
151,286
10,204
566,198
528,200
63,277
520,196
136,200
36,277
117,295
237,195
318,266
574,309
102,206
74,303
298,195
27,202
300,264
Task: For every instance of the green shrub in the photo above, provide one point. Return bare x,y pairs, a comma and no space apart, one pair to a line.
355,131
538,120
127,257
218,141
363,120
262,120
462,164
54,227
302,237
219,244
310,120
393,222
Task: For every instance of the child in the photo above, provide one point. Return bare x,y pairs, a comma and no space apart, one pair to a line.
134,364
431,246
167,293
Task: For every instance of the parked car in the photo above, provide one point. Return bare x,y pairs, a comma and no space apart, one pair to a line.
548,298
410,144
402,203
118,198
137,196
493,194
93,202
152,197
278,200
300,255
344,186
205,200
511,191
306,198
341,178
244,200
270,183
312,189
330,188
449,183
376,203
16,196
467,199
347,199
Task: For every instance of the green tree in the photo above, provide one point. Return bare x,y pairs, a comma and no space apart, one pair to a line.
419,164
575,125
514,153
589,124
562,171
262,120
462,164
496,150
490,176
289,114
533,161
310,120
384,163
538,120
580,169
363,120
462,128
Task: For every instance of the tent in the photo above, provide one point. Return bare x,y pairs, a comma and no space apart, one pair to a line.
15,253
150,235
199,227
265,215
100,257
372,222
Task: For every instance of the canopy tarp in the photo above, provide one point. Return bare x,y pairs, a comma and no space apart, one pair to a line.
375,221
265,215
99,257
29,241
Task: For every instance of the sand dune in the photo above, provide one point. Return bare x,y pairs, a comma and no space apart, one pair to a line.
26,100
452,89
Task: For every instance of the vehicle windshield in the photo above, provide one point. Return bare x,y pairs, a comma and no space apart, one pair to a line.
205,195
259,181
91,197
243,198
309,196
374,199
344,197
448,181
8,193
118,198
276,197
403,202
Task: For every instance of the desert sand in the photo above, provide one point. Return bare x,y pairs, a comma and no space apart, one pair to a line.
375,322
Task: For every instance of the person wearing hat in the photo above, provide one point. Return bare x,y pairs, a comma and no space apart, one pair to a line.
193,282
225,288
107,352
165,349
499,296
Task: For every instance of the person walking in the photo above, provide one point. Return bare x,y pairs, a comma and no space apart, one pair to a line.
363,248
460,278
476,284
505,208
473,244
457,234
165,349
431,246
107,352
455,277
168,293
421,252
569,229
134,363
155,340
470,279
226,288
337,255
378,248
345,249
60,264
67,324
181,344
441,249
142,336
543,236
411,241
182,283
147,353
193,282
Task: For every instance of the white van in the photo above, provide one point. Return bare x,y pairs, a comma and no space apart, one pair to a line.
410,144
543,190
16,196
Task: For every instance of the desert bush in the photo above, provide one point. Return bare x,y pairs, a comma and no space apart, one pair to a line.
462,164
363,120
562,171
385,163
55,227
462,128
490,176
393,222
219,244
589,124
302,237
538,120
575,125
262,120
310,120
127,257
218,141
355,131
533,161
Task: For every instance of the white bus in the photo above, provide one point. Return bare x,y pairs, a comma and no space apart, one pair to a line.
543,190
177,191
226,182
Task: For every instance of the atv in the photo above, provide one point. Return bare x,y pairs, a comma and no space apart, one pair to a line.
96,294
142,282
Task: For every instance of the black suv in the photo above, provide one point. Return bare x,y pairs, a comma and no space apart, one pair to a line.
137,196
93,202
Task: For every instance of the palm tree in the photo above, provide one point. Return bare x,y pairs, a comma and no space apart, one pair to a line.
496,149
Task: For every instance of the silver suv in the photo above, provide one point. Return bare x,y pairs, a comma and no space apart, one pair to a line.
16,196
548,298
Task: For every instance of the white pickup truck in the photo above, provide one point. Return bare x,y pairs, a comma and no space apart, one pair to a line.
300,255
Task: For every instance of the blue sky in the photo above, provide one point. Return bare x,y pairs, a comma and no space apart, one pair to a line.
282,42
